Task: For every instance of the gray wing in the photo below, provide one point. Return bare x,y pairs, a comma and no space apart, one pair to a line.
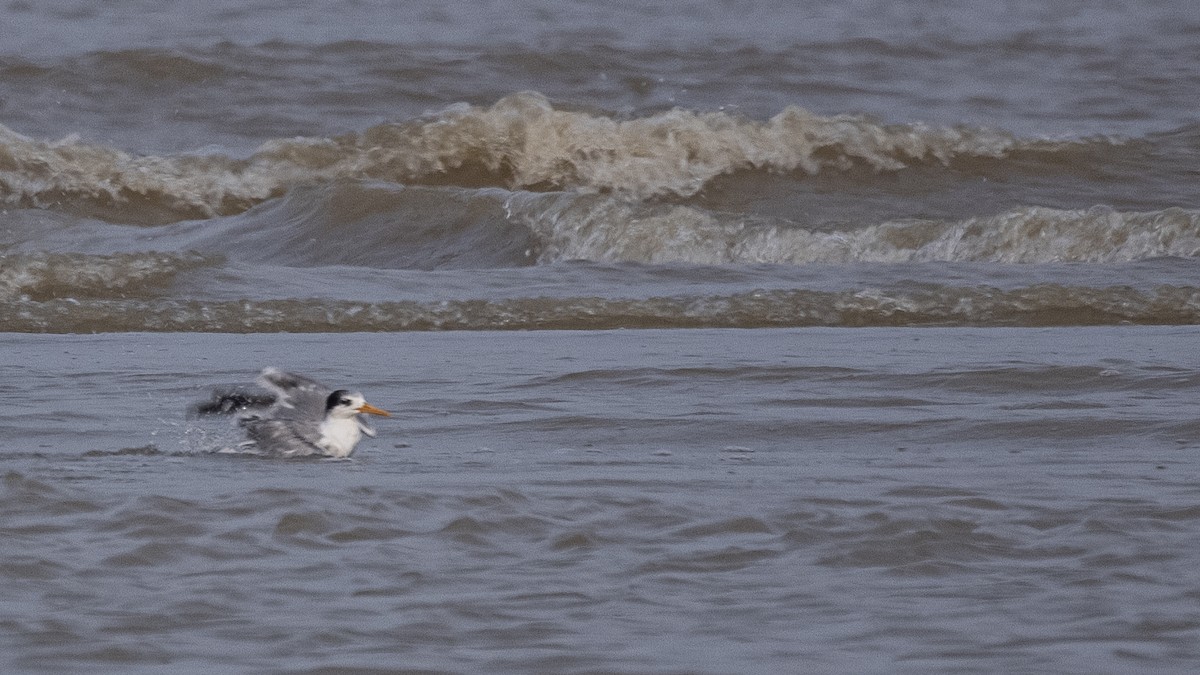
291,427
296,397
283,438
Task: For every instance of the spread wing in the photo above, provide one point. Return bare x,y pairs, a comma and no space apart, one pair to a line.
291,427
291,395
300,398
229,401
296,397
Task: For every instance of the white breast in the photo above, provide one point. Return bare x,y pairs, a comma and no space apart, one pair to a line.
339,436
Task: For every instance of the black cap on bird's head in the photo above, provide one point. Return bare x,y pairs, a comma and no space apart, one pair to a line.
337,398
353,402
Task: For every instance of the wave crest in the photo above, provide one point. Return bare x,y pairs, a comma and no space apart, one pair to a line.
611,230
520,142
907,305
525,139
47,276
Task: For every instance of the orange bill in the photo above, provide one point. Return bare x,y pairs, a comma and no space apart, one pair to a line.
368,408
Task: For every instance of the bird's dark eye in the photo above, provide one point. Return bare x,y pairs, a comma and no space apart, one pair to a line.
344,401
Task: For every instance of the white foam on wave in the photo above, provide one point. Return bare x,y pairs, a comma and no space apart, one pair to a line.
606,229
910,304
522,141
76,275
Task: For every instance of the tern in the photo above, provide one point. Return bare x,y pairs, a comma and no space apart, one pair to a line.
305,418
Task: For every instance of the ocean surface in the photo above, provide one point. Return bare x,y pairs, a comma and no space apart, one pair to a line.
720,336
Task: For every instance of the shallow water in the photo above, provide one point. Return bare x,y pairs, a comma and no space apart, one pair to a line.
912,389
627,501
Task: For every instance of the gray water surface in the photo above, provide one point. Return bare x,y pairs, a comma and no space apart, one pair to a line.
916,500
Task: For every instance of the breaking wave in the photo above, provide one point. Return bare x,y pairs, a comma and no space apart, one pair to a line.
909,305
47,276
520,142
611,230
